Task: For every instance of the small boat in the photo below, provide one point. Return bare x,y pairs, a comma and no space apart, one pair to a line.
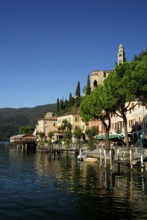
90,159
80,155
85,158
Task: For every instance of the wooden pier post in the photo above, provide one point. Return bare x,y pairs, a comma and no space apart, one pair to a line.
110,153
142,182
100,157
142,165
131,165
105,158
118,157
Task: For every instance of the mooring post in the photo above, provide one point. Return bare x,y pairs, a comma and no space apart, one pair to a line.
131,165
142,163
110,153
105,158
100,157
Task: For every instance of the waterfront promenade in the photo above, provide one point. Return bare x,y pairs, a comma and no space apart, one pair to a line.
135,156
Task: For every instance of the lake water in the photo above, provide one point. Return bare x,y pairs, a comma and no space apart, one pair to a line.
34,185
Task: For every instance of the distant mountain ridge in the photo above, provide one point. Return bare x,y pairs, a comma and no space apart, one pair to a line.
11,119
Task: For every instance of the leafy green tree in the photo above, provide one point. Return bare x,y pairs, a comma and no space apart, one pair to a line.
78,133
50,135
91,133
126,83
119,86
98,105
78,90
140,55
66,126
67,137
139,77
26,129
41,135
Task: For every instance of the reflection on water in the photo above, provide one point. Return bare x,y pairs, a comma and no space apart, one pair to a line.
35,185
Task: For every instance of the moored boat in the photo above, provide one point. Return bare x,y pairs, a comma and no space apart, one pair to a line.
80,156
90,159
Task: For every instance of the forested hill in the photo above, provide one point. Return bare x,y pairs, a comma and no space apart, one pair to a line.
11,119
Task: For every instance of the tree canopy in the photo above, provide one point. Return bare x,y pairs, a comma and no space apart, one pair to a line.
98,105
26,129
127,83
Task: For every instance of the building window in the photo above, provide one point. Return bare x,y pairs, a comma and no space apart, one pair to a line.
113,126
69,119
95,83
76,119
131,123
120,125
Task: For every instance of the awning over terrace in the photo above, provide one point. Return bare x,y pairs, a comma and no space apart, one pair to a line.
111,136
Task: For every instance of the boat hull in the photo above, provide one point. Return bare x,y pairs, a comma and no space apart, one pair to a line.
90,159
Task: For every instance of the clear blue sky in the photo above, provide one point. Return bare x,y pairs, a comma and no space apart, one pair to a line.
47,46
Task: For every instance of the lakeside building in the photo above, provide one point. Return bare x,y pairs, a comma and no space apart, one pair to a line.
50,122
46,124
137,121
75,121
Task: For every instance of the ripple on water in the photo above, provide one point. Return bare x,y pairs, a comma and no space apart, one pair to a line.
33,185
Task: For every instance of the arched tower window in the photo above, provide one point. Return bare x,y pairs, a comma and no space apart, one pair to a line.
95,83
104,74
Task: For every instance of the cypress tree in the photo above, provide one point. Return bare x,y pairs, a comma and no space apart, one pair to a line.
58,106
88,88
78,90
70,97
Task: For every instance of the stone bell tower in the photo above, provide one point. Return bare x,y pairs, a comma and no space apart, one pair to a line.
98,76
121,54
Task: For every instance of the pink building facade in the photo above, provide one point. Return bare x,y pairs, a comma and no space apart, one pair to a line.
136,122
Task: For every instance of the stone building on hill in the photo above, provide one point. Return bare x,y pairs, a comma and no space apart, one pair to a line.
98,76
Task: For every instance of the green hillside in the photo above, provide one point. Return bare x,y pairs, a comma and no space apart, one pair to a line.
11,119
